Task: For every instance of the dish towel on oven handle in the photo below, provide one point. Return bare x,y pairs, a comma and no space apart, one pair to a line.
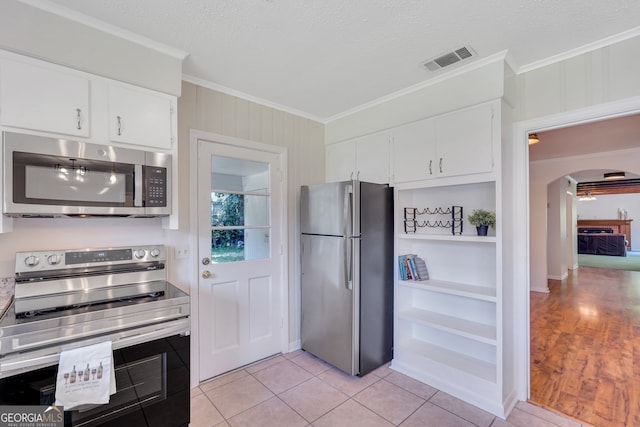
86,376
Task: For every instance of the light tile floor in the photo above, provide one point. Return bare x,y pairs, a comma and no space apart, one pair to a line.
297,389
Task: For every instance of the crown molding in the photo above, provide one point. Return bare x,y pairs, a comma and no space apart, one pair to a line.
599,44
226,90
99,25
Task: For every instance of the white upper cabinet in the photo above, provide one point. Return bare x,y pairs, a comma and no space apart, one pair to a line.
140,117
340,160
372,158
414,151
464,141
42,99
457,143
366,159
47,98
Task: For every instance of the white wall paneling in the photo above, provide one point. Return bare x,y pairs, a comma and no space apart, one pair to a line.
605,75
206,110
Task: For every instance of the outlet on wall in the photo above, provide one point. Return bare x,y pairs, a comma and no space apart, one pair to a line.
182,252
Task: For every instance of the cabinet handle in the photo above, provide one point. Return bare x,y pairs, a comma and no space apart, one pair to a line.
430,163
119,125
78,119
440,165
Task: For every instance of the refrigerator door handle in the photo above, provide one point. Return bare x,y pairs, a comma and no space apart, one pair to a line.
347,211
348,229
348,263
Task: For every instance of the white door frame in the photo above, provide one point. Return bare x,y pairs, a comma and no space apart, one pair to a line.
194,137
522,267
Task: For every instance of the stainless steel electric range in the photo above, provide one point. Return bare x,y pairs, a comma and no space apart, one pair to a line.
66,299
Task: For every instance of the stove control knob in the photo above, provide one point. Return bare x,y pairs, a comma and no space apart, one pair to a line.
31,261
154,252
140,253
54,259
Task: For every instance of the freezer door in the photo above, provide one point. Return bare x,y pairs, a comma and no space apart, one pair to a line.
327,296
328,209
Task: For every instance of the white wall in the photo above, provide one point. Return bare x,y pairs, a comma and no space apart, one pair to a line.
544,172
606,207
34,32
557,228
572,222
32,234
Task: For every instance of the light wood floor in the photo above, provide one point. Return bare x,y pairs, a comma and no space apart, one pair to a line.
585,347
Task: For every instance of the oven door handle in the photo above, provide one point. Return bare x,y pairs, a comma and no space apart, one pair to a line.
25,362
121,340
46,360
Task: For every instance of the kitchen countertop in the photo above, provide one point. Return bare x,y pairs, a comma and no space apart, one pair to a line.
7,285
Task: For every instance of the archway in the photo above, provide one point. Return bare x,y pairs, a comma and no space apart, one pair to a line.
529,208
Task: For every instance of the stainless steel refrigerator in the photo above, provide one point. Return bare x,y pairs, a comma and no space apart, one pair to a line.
347,274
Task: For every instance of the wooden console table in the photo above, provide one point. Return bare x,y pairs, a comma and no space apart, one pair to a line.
622,226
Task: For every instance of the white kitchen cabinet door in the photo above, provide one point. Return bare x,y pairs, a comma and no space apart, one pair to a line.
140,117
43,99
340,161
465,141
414,151
372,158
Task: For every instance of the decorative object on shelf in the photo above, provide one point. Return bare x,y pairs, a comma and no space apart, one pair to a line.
412,268
482,219
411,224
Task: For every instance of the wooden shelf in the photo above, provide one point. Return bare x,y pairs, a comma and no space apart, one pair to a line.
453,288
465,328
462,362
448,237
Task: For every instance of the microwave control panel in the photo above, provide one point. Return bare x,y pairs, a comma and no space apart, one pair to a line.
155,185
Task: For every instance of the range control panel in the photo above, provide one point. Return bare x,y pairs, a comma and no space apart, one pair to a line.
64,259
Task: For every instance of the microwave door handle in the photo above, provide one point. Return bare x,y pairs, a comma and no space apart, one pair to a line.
137,185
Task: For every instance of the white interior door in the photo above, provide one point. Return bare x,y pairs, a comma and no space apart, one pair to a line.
240,256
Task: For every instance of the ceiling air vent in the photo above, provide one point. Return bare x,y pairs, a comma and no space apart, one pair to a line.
449,58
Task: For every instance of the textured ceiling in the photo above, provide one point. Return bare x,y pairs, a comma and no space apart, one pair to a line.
322,58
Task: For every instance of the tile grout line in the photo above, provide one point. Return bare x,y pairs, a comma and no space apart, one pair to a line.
349,397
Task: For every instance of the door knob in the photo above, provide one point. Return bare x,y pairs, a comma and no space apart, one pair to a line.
206,274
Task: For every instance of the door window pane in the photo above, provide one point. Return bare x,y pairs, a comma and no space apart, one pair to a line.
227,245
240,205
234,210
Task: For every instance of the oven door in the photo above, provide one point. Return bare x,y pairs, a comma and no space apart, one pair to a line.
152,382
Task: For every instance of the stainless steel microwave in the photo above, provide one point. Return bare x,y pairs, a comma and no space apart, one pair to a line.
50,177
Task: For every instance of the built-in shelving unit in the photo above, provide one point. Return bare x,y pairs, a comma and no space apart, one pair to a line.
449,329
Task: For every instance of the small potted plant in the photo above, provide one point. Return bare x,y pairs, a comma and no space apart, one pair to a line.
482,219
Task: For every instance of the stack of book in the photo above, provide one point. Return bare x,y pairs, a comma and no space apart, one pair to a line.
412,268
